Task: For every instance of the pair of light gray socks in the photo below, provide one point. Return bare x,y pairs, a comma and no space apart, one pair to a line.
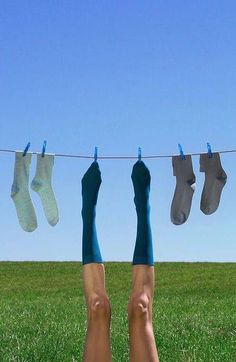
215,179
42,184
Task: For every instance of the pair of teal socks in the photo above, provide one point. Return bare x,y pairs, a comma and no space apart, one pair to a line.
42,184
91,181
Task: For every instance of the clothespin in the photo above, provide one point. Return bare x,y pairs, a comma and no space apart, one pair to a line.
44,148
181,152
209,150
139,154
95,154
26,149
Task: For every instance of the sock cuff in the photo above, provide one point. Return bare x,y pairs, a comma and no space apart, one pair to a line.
183,168
19,158
44,165
209,163
87,259
145,260
179,165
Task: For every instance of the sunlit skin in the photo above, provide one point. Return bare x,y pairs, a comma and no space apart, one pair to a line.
141,337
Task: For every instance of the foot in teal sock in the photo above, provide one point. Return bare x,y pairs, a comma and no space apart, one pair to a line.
143,252
91,182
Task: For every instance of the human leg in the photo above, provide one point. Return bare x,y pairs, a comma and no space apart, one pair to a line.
97,343
141,335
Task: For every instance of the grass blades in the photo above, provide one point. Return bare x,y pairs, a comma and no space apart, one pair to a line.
43,314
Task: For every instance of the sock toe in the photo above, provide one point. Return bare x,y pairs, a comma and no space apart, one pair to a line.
207,210
179,218
30,227
54,221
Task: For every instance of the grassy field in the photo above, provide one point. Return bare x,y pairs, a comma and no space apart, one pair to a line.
43,315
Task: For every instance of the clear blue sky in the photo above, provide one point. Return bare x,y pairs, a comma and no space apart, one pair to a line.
118,75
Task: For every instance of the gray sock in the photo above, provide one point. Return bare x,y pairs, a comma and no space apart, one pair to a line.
20,192
185,187
42,184
215,179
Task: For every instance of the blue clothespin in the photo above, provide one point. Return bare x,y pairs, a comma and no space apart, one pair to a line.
44,148
95,154
181,152
139,154
26,149
209,150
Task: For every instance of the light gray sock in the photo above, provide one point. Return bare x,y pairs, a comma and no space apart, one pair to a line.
215,179
185,187
42,184
20,192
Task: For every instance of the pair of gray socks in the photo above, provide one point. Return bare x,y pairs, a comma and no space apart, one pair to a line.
40,184
215,179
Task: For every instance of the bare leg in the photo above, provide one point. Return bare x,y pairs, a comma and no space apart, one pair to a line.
97,343
141,336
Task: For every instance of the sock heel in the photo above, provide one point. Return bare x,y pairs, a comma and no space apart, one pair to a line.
14,191
36,185
191,181
222,177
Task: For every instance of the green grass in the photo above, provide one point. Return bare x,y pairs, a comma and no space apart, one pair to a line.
43,315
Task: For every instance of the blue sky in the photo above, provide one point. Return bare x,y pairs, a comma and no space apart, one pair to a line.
118,75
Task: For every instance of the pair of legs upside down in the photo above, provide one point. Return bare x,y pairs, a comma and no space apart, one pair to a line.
141,337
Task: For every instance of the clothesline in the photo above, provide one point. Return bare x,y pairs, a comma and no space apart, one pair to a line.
116,157
183,171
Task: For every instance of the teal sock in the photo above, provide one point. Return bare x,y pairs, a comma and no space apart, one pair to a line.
143,251
91,182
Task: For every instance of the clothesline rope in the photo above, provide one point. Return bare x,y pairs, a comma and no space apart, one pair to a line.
116,157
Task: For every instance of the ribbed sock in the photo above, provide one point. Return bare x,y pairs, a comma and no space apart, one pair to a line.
215,179
143,251
91,182
42,184
20,192
185,187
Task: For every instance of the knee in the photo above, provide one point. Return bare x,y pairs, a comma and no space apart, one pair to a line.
99,307
139,306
